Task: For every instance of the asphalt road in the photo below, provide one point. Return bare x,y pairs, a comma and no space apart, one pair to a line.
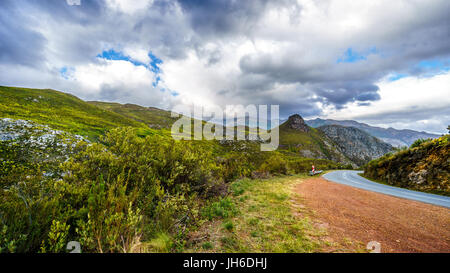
351,178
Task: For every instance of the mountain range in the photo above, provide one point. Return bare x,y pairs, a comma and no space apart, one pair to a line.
397,138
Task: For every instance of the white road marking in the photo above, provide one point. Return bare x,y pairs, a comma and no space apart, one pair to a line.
349,178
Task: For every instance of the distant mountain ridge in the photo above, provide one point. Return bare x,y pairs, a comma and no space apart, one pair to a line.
396,138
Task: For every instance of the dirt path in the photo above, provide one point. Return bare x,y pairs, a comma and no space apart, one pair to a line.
400,225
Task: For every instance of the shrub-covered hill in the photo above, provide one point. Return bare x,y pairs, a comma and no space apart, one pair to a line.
61,111
152,117
424,167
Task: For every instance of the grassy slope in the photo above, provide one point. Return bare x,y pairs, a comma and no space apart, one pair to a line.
151,116
61,111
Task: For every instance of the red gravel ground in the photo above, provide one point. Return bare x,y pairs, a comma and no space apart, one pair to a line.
400,225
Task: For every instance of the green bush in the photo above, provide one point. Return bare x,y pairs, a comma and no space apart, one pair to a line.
113,223
223,208
57,238
228,225
207,245
419,142
162,243
275,165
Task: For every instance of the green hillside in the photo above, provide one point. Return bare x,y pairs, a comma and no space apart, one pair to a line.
92,119
424,167
61,111
153,117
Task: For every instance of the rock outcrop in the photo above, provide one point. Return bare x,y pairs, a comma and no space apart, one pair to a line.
357,145
296,122
29,143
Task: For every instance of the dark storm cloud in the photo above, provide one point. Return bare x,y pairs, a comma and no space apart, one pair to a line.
89,10
79,33
222,16
18,43
22,44
335,83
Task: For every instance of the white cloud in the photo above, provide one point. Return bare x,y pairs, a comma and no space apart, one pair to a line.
120,81
94,76
197,81
129,6
137,53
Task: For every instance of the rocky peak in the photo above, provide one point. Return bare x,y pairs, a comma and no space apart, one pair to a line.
296,122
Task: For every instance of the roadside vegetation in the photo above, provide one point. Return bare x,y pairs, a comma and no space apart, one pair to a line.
424,167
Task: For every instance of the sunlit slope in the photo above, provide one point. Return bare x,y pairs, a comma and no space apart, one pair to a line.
158,118
61,111
153,117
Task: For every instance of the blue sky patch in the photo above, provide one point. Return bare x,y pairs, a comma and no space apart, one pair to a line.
66,71
430,68
156,82
397,76
352,56
155,63
425,68
119,56
63,72
434,65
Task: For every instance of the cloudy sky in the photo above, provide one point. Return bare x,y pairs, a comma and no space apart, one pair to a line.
382,62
